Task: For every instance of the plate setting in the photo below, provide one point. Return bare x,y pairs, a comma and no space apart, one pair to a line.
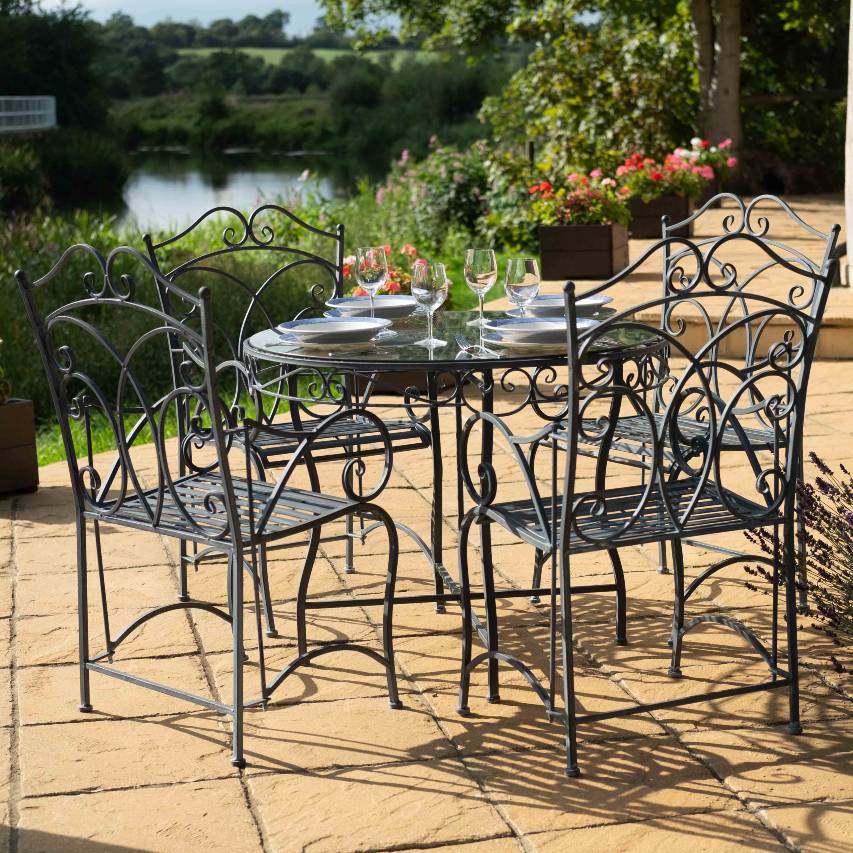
548,331
314,331
390,306
553,305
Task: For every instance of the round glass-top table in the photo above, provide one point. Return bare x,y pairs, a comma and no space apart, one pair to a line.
402,353
446,377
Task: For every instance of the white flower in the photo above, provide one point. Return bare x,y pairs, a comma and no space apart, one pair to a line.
305,175
696,141
349,260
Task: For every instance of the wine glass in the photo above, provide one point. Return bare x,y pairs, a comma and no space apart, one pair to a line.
481,273
371,273
429,287
522,281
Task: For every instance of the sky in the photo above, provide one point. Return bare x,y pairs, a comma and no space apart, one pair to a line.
303,13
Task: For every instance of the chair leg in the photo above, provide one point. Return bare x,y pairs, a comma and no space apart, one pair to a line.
663,568
236,578
349,547
183,592
789,548
83,616
102,585
802,567
621,598
491,607
302,595
536,580
266,593
388,609
465,601
677,610
568,661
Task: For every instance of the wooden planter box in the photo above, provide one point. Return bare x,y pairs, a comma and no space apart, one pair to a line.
582,251
19,470
646,216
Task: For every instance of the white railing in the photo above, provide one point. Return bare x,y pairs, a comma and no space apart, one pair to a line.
25,113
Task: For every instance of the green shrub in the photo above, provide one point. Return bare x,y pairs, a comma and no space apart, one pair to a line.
22,182
82,166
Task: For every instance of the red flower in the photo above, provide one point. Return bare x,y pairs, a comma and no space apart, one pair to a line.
347,270
655,175
387,249
360,291
705,143
392,287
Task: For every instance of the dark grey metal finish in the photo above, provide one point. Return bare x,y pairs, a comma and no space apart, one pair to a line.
269,276
107,355
697,406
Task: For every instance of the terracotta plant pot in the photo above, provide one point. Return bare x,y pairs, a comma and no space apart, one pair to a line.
582,251
646,216
19,470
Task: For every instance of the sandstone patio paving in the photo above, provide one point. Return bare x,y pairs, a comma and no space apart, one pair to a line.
332,767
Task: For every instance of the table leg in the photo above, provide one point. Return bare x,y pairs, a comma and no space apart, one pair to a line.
436,531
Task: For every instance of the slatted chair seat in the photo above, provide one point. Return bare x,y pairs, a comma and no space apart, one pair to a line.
295,509
653,523
341,437
633,434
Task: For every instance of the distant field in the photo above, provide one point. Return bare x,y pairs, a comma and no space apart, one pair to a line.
272,55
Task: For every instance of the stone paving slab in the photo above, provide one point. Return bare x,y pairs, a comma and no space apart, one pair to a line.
332,767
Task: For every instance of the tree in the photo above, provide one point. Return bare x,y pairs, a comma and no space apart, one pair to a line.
719,31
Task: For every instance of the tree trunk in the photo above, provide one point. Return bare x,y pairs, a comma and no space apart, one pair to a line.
848,153
717,32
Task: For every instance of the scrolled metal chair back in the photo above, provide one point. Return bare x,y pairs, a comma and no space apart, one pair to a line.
706,400
262,268
108,355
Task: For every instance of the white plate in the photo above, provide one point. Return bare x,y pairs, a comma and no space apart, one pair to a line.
391,305
535,330
553,305
316,331
496,340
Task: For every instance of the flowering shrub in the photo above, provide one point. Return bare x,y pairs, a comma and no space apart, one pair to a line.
447,189
647,179
717,159
827,508
399,270
592,199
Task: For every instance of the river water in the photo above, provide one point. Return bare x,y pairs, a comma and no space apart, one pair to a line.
171,189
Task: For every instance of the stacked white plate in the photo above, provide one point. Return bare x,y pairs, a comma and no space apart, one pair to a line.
531,332
554,305
391,306
327,331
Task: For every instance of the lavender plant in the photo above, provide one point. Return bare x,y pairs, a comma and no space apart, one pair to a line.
827,509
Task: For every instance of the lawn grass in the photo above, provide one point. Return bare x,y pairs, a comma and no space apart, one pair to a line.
273,55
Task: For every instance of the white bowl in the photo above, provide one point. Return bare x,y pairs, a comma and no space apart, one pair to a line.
554,305
392,305
331,330
535,330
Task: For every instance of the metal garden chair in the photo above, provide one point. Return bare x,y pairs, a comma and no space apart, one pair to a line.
684,489
631,440
107,352
264,269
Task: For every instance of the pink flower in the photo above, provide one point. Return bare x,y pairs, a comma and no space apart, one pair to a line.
360,291
404,156
621,170
624,190
705,171
349,260
408,250
596,173
608,182
392,287
731,162
726,143
573,177
380,195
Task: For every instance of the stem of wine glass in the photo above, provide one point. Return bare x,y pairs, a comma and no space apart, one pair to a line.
371,294
521,309
482,298
429,327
